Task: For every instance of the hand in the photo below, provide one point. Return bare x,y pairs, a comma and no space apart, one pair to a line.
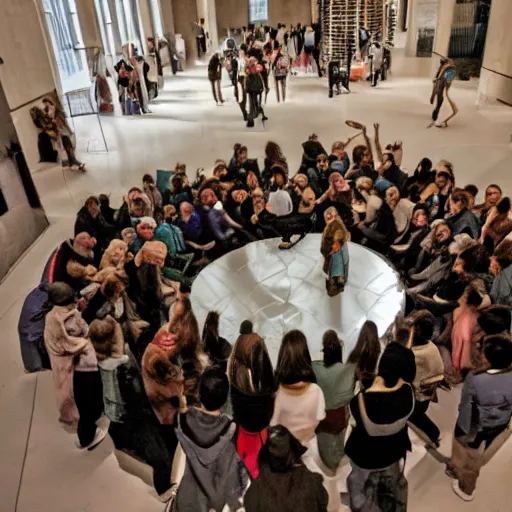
376,126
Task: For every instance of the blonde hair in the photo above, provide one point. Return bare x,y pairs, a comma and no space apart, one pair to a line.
341,225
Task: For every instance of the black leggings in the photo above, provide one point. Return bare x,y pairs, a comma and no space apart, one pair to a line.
88,391
281,84
420,420
439,102
216,90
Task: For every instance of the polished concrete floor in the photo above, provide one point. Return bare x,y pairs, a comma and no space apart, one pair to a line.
40,468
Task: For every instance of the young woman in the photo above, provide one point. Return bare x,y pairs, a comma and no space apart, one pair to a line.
336,380
74,366
252,388
334,249
365,354
215,77
215,347
300,403
379,439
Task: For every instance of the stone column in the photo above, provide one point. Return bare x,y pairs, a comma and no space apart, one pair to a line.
168,19
185,14
89,23
146,21
496,72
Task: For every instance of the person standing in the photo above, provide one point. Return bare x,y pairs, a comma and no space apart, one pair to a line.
378,444
485,411
376,53
200,37
254,86
215,77
336,380
280,66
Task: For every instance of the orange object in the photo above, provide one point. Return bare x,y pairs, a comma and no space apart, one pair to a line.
357,71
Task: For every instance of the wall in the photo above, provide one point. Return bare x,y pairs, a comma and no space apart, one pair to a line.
235,13
89,23
289,12
231,14
21,224
498,55
185,14
24,52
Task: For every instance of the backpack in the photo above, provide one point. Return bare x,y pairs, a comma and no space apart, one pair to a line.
254,83
230,44
281,67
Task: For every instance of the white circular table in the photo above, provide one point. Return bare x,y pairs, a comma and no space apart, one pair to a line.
284,290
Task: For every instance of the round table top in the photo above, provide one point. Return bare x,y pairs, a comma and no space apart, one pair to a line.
283,290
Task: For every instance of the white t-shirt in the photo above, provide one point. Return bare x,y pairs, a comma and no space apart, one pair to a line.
299,408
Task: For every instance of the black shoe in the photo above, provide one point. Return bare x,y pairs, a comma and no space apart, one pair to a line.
264,118
250,123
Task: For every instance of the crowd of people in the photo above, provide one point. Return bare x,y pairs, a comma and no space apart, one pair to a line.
122,338
269,55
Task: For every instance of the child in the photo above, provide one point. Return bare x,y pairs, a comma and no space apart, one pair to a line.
74,366
215,477
335,252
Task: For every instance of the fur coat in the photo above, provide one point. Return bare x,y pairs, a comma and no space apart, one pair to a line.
107,338
65,339
163,378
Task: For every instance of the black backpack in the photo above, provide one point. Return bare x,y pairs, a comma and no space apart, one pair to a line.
254,83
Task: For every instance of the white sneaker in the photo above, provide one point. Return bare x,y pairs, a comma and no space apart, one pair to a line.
460,493
98,438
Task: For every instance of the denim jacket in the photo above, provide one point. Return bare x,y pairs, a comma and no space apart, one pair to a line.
486,402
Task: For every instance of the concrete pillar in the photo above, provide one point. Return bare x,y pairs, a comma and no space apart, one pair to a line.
212,25
496,72
89,23
146,22
446,11
185,14
168,19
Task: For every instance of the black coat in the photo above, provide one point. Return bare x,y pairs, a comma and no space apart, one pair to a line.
96,227
269,492
65,254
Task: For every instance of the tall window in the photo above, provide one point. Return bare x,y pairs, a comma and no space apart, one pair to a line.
258,10
128,22
105,23
68,46
156,15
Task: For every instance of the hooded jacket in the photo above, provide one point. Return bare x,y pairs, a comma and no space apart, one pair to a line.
214,474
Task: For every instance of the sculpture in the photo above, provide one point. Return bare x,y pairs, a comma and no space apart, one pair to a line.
442,83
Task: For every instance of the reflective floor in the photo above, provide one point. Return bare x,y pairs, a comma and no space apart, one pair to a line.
284,290
40,468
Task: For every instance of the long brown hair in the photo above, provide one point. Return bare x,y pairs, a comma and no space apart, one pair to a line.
365,354
294,360
250,369
274,153
184,324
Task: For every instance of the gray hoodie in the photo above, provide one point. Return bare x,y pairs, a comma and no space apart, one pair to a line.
214,474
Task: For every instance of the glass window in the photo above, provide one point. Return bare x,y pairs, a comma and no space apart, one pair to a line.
156,14
105,23
128,21
258,10
68,46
